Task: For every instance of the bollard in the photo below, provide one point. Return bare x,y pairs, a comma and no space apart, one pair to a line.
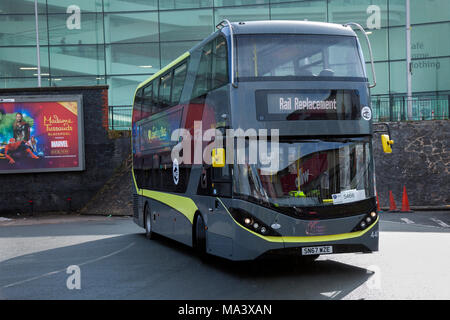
31,207
69,204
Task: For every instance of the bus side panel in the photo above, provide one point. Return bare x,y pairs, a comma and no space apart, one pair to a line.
225,238
169,222
220,232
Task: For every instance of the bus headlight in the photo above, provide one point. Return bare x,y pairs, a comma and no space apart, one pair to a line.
249,222
366,222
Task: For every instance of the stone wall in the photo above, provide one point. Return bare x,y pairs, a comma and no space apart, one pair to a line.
420,161
52,191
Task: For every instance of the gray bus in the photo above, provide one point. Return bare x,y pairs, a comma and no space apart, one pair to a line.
299,91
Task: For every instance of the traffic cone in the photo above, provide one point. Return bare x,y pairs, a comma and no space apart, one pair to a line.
392,206
378,204
405,202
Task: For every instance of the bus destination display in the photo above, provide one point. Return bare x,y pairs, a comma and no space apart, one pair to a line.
282,103
308,105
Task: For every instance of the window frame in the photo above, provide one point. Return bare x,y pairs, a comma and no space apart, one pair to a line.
185,64
211,74
144,98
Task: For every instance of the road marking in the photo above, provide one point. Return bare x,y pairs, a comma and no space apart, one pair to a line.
441,223
406,220
331,294
415,225
64,270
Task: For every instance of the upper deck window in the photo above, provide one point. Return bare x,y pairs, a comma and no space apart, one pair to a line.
286,56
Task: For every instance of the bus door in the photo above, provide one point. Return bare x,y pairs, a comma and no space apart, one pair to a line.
219,238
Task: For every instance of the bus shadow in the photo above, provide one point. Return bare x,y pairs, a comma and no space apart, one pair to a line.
132,267
276,278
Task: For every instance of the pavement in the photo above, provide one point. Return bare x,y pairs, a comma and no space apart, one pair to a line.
116,261
47,218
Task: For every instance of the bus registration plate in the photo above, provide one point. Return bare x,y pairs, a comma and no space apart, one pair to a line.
317,250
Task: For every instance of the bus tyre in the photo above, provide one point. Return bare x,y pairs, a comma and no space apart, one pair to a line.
200,237
148,223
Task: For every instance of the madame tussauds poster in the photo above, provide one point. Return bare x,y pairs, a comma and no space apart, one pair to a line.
39,136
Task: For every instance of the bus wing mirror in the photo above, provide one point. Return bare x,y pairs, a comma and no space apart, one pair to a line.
387,143
218,158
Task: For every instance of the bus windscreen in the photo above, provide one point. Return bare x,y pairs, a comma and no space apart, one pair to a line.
314,172
312,56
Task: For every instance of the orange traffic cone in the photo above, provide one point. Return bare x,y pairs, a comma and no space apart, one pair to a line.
392,206
378,204
405,202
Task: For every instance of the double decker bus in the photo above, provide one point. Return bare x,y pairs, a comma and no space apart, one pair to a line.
301,92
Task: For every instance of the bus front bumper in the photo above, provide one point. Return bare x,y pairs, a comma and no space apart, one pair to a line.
249,245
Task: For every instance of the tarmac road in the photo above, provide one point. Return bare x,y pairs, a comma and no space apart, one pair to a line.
116,261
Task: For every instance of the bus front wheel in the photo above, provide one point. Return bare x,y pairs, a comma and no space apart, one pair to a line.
200,236
148,223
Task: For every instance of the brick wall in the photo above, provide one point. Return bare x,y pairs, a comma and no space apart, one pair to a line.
51,191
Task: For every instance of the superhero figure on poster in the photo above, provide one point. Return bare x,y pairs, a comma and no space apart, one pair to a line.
21,128
17,148
33,144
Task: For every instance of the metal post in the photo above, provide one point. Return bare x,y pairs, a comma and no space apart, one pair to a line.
448,114
38,54
408,59
112,117
391,111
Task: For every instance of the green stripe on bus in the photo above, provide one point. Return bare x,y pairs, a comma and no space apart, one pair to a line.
309,239
184,205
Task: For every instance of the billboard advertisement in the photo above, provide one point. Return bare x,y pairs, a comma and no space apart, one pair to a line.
41,134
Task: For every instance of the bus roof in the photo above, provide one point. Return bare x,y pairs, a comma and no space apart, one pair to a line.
266,27
294,27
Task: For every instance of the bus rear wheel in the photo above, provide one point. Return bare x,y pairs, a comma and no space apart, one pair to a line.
148,223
